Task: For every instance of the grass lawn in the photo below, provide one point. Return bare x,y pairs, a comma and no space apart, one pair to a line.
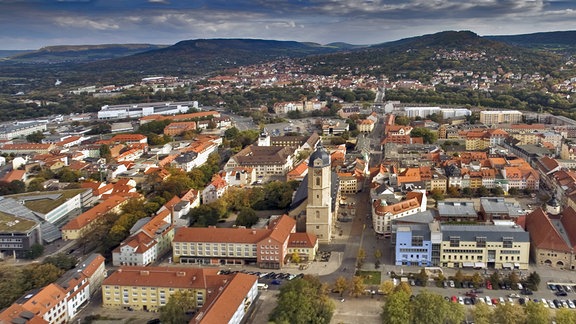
371,277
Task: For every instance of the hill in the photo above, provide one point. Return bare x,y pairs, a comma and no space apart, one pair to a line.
200,56
560,41
419,56
79,53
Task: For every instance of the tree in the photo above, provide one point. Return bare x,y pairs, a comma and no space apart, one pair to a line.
565,316
62,261
303,301
455,313
497,191
387,287
482,191
477,279
246,217
429,308
35,137
402,120
404,286
495,279
357,286
459,276
422,276
40,275
174,312
513,279
513,191
35,251
536,313
533,281
377,254
482,314
437,194
428,136
295,257
340,285
397,309
105,152
360,258
507,313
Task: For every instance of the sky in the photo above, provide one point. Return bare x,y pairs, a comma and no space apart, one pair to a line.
32,24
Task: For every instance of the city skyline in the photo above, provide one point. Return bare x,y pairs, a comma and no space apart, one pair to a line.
32,24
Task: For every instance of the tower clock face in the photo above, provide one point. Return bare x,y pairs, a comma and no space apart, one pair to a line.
317,172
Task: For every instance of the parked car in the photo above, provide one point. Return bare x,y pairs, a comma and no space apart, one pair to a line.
451,283
561,293
276,282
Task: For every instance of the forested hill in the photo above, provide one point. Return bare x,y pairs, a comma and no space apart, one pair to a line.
418,56
79,53
197,57
560,41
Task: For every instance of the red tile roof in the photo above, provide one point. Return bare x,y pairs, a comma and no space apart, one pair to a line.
543,233
94,213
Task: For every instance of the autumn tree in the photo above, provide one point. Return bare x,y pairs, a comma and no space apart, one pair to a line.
246,217
295,257
482,314
536,313
387,287
507,313
356,286
565,316
340,285
360,258
404,286
455,313
422,276
397,308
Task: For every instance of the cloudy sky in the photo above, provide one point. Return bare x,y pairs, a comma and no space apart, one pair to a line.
31,24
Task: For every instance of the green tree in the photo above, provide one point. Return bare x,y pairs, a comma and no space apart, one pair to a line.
397,309
340,285
402,120
536,313
62,261
36,185
35,251
477,279
422,276
533,280
246,217
507,313
429,308
565,316
428,136
174,312
40,275
482,191
35,137
495,279
105,152
303,301
360,258
482,314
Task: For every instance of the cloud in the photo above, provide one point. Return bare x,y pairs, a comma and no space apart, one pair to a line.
86,23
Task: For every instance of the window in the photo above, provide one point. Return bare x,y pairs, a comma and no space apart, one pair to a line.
417,240
480,241
507,242
454,241
317,181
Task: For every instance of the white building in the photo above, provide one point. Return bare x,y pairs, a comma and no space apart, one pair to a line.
145,109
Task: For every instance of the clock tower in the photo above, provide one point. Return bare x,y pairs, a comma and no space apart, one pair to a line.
319,219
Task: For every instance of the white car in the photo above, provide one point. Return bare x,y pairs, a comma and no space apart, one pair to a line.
502,301
488,300
461,300
571,304
545,302
451,283
551,304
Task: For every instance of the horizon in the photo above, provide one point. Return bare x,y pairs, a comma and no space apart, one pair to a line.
230,38
34,24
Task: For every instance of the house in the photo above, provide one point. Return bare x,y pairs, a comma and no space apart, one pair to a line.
48,302
240,176
179,128
214,190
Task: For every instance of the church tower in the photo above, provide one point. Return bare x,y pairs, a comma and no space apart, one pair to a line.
264,138
319,218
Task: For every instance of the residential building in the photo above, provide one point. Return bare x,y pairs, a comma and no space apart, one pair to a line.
27,148
214,190
349,183
268,247
85,222
48,302
21,129
493,117
178,128
456,211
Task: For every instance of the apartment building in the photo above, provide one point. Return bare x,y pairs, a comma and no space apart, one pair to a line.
11,131
268,247
494,117
303,244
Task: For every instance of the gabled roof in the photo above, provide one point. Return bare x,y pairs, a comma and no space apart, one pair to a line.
18,314
281,228
543,233
170,277
302,240
94,213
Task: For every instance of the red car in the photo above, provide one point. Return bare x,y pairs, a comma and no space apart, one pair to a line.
454,299
488,285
